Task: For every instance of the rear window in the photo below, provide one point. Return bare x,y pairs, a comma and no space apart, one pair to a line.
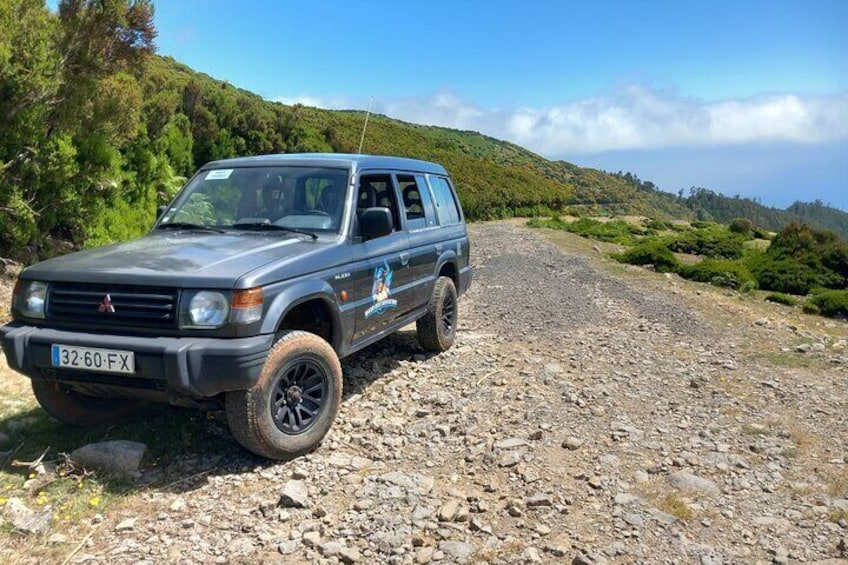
447,209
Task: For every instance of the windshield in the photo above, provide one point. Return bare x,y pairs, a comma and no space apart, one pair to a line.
295,198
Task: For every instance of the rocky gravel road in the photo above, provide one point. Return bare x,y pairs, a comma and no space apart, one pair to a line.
580,418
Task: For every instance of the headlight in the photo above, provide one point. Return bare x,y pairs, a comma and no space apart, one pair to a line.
30,298
208,309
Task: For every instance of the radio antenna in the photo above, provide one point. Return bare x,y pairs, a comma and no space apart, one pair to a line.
362,137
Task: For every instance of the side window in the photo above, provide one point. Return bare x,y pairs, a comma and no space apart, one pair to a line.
446,207
416,201
377,191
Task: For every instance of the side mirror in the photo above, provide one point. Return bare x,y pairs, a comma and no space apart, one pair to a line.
375,222
160,210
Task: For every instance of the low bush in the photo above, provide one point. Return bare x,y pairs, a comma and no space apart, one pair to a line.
742,226
614,231
781,298
810,308
760,233
788,275
701,224
831,303
658,225
720,272
650,253
713,242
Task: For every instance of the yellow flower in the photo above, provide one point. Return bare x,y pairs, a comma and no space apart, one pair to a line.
94,501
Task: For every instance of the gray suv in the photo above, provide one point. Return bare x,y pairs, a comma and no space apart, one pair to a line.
253,283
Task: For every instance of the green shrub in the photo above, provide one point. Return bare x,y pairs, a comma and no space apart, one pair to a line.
650,253
831,303
701,224
714,242
658,225
810,308
720,272
760,233
615,231
821,251
788,275
742,226
782,298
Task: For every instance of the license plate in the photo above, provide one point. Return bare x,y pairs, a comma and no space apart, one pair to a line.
93,359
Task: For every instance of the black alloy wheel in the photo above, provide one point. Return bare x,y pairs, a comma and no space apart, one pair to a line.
299,394
448,313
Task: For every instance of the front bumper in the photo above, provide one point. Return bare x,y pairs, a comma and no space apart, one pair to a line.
173,366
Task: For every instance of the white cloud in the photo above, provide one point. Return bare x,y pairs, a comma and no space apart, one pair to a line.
313,101
633,118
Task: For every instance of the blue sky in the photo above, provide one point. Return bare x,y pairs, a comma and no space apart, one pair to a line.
743,97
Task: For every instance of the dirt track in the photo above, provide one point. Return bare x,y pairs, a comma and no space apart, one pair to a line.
587,411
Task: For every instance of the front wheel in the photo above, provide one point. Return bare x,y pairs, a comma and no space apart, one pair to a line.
437,328
71,407
295,401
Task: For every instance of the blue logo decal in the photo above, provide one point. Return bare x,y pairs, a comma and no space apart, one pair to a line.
381,290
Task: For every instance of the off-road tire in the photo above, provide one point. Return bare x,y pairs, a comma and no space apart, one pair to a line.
437,328
259,427
76,409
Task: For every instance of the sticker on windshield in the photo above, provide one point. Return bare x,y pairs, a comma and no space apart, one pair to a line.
381,290
219,174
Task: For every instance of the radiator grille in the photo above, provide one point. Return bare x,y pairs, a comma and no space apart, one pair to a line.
113,305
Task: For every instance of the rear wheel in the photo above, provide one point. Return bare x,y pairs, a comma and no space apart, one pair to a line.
78,409
295,401
437,328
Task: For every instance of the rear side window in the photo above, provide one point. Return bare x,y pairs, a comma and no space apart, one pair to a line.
446,207
417,203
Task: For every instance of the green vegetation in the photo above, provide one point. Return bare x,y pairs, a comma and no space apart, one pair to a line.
831,303
706,204
799,260
613,231
742,226
781,298
810,308
651,252
720,272
98,130
711,241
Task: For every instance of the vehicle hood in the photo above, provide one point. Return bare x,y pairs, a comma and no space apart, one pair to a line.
181,259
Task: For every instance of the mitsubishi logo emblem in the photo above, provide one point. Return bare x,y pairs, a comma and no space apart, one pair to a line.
106,305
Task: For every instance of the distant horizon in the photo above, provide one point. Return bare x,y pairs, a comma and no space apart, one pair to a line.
745,98
661,181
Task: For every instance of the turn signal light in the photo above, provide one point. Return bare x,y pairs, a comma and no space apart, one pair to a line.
246,306
248,298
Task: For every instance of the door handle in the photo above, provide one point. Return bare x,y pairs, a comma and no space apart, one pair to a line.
404,259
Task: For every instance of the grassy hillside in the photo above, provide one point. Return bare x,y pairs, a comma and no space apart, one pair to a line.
98,130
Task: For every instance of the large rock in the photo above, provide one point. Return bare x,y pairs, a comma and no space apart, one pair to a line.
116,457
684,480
458,550
295,495
26,520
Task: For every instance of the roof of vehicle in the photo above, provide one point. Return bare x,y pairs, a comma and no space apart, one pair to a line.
346,160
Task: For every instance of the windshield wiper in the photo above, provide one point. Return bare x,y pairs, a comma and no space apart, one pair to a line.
262,226
188,226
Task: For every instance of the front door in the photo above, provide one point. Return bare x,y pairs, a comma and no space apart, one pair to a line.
381,265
